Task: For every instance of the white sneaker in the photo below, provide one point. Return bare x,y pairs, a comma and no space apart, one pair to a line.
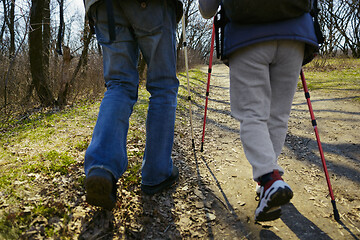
272,196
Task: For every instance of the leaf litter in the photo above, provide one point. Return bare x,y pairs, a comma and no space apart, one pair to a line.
213,199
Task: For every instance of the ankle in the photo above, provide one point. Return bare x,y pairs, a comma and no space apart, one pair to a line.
268,179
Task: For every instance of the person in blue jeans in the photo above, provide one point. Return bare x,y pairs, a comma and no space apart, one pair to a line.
149,27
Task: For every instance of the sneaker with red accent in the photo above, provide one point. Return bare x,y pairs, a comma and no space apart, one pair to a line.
274,193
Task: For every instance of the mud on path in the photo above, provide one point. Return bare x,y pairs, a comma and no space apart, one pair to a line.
224,196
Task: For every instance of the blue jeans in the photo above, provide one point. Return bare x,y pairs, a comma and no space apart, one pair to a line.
150,29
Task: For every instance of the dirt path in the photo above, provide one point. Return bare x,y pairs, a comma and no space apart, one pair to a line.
224,195
215,195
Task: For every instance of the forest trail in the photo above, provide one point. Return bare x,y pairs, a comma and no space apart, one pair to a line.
215,195
224,175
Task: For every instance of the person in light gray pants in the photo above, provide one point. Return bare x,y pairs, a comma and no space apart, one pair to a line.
265,62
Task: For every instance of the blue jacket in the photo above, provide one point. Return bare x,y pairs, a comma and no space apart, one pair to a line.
239,35
242,35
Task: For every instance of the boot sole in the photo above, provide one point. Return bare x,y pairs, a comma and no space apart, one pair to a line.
98,192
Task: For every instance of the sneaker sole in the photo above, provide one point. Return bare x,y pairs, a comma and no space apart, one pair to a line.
272,210
98,192
270,215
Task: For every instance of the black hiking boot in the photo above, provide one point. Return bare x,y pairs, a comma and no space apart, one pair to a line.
151,190
100,188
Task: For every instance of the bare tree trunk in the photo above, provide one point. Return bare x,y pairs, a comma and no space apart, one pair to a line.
62,99
12,63
36,54
178,49
86,31
341,23
356,29
2,32
46,38
6,19
65,76
12,29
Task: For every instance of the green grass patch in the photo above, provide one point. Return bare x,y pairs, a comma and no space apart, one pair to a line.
341,75
132,176
12,224
42,144
197,83
82,145
50,162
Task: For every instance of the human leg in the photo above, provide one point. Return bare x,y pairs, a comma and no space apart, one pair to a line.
107,150
250,96
157,44
284,75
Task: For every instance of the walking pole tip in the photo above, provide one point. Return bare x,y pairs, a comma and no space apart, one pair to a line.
336,212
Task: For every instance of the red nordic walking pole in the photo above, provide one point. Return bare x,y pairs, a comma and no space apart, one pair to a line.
208,84
307,96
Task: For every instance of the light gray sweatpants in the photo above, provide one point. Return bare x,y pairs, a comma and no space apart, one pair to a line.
263,80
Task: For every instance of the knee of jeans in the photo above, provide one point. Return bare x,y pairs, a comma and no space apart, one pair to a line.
165,98
122,87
